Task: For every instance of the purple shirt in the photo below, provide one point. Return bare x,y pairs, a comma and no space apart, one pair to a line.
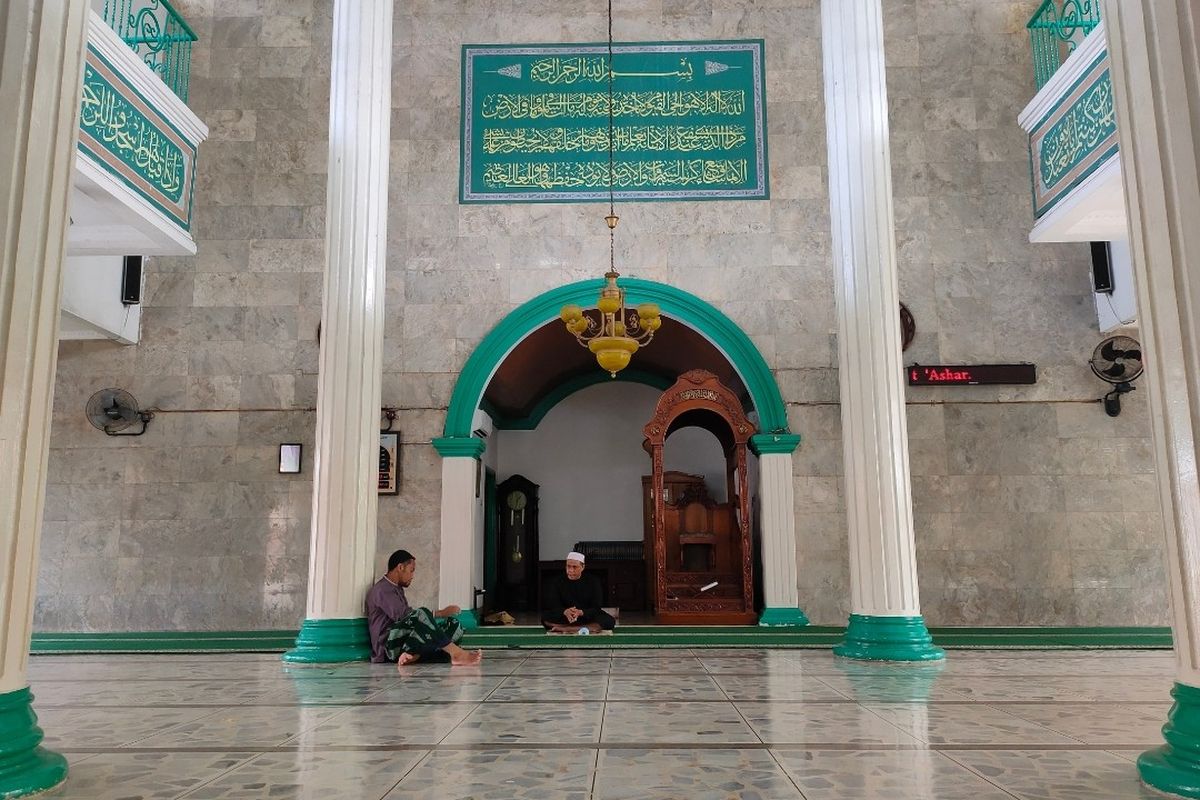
386,603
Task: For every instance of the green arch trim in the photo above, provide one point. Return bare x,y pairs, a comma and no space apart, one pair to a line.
570,387
675,303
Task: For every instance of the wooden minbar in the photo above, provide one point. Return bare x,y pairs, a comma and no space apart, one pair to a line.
698,542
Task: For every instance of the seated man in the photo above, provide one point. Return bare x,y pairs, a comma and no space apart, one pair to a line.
573,601
405,634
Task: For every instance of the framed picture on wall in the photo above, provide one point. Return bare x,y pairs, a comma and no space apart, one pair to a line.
389,463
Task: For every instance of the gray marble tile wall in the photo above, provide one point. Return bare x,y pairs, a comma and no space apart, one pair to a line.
1031,507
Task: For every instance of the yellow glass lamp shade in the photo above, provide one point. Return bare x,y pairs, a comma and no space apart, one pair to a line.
570,313
608,304
613,352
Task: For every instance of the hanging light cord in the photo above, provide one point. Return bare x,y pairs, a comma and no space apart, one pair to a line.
612,258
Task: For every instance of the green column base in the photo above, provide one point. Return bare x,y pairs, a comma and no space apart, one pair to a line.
782,618
25,768
873,638
467,619
331,641
1174,768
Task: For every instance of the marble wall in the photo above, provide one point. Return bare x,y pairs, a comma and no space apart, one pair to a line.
1032,507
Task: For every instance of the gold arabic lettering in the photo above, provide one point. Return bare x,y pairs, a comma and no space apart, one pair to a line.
1081,130
627,175
626,139
552,105
594,69
125,132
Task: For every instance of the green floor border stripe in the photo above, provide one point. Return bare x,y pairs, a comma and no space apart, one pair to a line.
625,636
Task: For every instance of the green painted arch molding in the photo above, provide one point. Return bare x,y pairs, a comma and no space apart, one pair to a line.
675,303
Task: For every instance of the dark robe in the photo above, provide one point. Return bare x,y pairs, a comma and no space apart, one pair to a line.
586,594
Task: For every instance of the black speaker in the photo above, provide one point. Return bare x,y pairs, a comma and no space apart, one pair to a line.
131,281
1102,282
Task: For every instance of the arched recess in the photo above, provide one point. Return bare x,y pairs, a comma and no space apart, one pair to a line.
774,445
675,303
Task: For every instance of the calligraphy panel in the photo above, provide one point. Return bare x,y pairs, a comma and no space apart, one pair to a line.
123,133
689,122
1074,138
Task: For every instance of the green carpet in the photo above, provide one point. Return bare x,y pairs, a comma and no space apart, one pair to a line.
817,636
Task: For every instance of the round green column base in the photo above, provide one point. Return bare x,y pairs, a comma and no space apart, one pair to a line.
1174,767
331,641
25,768
782,618
871,638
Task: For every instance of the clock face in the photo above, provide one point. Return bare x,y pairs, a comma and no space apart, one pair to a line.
516,500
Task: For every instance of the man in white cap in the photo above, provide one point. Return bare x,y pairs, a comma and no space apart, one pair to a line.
573,601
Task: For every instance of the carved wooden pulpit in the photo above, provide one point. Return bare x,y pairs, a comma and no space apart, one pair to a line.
703,556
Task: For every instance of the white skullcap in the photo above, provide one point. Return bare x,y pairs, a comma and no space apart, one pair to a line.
574,556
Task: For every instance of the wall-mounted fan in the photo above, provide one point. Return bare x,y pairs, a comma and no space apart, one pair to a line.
1117,360
115,410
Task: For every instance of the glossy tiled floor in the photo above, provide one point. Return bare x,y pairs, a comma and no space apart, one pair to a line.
607,724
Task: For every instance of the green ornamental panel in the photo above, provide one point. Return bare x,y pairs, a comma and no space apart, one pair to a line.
123,133
689,122
1075,138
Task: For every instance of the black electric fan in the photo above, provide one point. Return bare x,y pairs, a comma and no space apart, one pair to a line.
115,410
1117,360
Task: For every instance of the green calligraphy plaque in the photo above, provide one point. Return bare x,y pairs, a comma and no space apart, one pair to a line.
126,135
689,122
1075,138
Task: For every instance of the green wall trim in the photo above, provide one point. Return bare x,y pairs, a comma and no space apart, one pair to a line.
767,443
782,617
754,636
675,303
25,766
570,387
1174,767
875,638
331,641
164,642
460,446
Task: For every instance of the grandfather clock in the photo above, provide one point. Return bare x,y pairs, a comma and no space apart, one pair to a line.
517,545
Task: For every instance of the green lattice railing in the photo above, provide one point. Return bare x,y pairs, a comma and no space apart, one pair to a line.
158,34
1056,29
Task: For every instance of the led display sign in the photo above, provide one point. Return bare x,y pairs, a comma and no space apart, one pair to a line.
970,375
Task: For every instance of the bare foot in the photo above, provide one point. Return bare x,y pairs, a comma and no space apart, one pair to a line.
594,627
466,658
407,658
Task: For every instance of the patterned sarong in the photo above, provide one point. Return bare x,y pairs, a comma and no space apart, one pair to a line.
419,633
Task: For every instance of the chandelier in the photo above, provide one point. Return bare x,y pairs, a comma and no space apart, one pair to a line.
618,331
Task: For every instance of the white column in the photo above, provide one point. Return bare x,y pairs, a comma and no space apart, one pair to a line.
461,547
777,494
1155,73
41,71
342,553
885,621
456,566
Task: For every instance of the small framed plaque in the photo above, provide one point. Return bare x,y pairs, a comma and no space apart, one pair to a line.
290,458
389,463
